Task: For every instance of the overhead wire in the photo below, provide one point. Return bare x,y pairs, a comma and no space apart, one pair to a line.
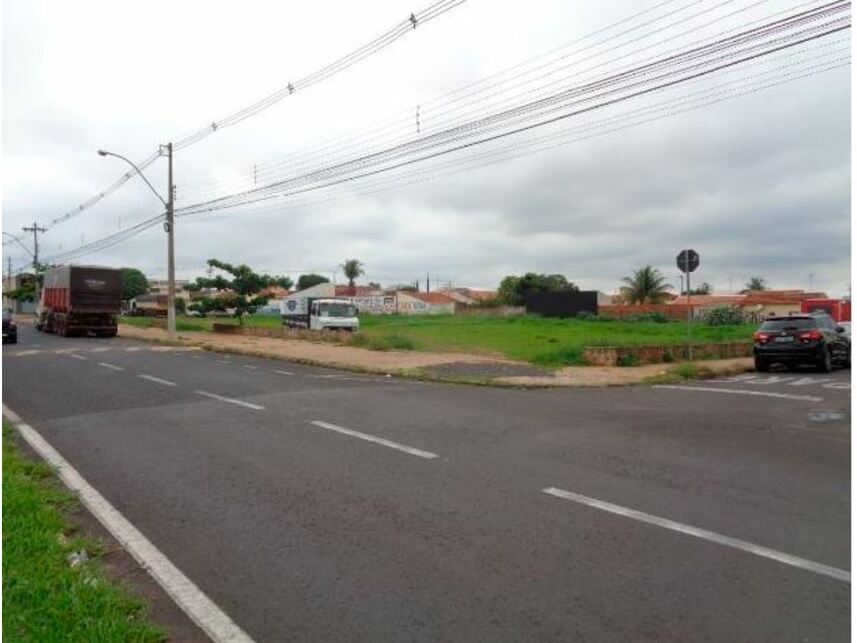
729,52
423,16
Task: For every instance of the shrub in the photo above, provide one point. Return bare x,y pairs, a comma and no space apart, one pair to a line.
627,360
585,315
725,316
668,357
565,356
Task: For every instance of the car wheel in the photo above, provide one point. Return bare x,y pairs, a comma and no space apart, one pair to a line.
826,363
762,365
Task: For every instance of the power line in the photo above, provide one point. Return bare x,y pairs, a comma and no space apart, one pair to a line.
519,93
381,42
680,68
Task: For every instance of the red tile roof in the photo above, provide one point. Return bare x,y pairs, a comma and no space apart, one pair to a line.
432,297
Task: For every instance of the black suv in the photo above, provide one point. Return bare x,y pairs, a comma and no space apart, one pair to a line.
801,339
10,329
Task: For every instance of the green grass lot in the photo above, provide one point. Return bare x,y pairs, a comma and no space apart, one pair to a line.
545,341
44,598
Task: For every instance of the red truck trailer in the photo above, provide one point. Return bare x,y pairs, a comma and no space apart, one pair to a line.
839,309
80,300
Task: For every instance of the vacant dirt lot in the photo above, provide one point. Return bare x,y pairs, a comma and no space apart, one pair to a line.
440,365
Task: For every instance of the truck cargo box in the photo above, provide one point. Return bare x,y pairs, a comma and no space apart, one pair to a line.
80,299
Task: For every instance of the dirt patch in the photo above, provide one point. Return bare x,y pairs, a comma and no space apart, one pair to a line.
458,367
312,352
461,370
616,375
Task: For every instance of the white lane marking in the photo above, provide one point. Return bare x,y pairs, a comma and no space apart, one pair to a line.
231,400
224,361
201,609
738,391
284,372
157,380
76,356
371,438
252,368
743,545
132,349
99,350
111,366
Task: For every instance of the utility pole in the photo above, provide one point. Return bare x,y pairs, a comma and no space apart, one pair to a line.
35,229
171,248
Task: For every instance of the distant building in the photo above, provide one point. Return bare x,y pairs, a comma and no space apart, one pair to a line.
160,286
425,303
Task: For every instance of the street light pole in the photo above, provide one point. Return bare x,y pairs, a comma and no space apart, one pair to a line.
169,227
171,248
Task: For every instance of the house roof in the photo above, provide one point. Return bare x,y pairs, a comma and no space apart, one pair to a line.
779,297
708,300
356,291
432,297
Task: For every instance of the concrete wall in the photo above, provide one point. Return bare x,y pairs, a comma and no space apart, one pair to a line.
408,305
673,311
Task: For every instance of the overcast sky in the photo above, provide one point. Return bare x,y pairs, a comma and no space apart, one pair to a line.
759,185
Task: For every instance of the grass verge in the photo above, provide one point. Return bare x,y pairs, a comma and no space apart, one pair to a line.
45,599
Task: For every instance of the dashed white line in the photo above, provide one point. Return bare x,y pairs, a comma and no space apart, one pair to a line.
231,400
743,545
157,380
102,349
371,438
199,607
76,356
224,361
737,391
111,366
284,372
250,366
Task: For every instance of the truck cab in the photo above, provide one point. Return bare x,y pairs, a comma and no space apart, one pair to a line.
333,314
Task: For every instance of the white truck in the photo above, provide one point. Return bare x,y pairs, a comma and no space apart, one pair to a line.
319,313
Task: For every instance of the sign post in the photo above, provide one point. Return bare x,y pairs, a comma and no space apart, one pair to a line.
688,261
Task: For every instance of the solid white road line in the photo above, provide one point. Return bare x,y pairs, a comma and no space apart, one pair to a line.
743,545
284,372
371,438
201,609
738,391
249,405
157,380
111,366
76,356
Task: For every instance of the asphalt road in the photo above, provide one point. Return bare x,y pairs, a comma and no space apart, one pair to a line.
316,505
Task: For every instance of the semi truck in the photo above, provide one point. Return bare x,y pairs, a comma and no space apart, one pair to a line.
319,313
80,300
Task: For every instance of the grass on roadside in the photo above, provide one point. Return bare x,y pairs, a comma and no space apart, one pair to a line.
44,598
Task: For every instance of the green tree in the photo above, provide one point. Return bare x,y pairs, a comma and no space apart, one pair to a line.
352,269
310,280
646,286
240,292
513,290
756,284
703,289
134,283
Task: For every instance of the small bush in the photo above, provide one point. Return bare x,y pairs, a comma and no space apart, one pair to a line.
627,360
585,315
725,316
668,357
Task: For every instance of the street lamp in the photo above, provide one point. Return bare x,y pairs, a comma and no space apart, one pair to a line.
169,226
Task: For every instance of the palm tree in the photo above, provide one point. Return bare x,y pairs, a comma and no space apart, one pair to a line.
647,286
352,269
756,284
